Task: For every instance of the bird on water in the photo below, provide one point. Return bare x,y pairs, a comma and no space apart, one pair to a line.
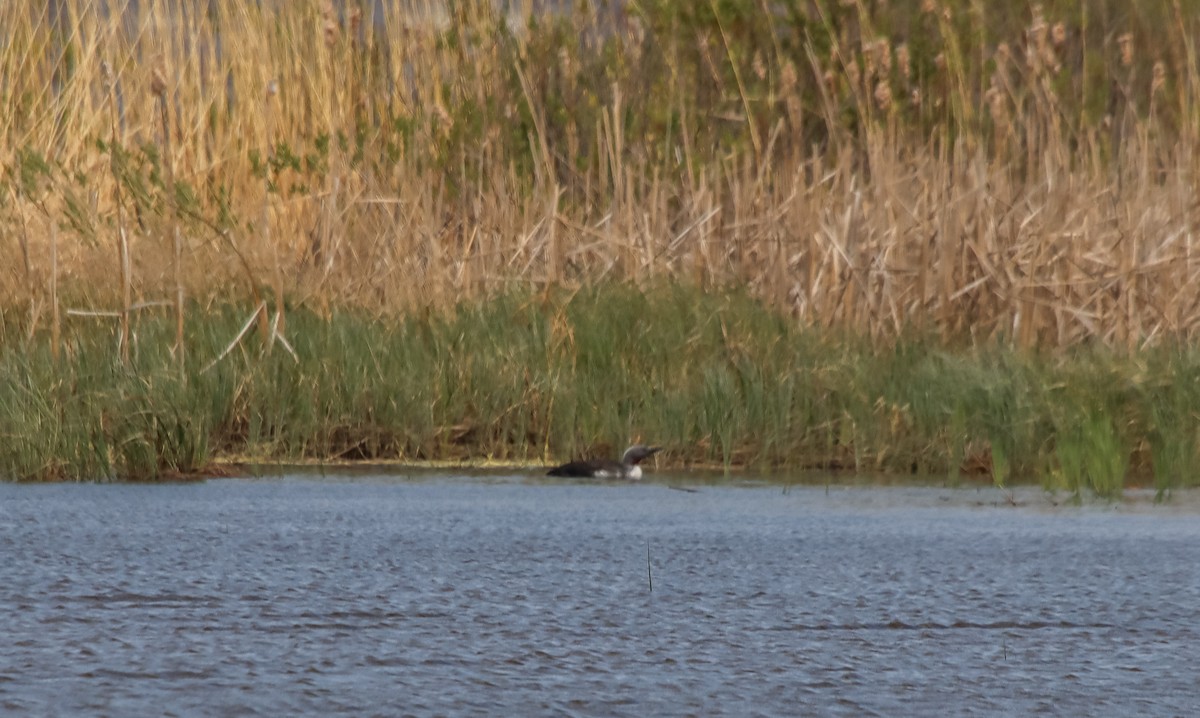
626,468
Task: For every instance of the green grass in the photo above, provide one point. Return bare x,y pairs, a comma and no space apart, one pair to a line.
716,377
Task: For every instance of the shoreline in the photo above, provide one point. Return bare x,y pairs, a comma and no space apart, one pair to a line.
926,491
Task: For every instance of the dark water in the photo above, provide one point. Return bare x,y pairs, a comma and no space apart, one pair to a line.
501,596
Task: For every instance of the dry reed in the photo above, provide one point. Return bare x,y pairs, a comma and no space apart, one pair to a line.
869,169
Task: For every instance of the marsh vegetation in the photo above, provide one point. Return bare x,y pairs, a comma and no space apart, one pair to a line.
993,207
719,379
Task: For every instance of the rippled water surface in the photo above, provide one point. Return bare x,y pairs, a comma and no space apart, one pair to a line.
504,595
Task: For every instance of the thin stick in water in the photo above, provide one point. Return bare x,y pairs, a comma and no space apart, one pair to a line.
649,576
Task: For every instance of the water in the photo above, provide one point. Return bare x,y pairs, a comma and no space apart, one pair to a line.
512,596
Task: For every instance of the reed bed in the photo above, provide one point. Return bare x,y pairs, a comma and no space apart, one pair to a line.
533,378
932,236
1023,173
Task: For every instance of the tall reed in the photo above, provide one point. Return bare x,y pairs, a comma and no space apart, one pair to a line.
1022,174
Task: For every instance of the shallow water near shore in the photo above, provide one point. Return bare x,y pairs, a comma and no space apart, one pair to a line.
507,594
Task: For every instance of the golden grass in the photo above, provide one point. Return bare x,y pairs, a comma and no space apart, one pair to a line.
860,169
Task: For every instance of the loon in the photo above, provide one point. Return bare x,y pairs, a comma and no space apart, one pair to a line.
626,468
